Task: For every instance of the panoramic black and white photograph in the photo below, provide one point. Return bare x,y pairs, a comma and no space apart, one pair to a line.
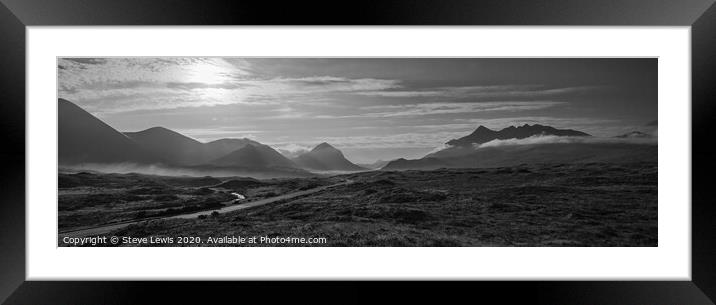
357,152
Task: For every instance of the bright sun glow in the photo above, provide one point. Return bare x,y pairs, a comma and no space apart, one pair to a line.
207,73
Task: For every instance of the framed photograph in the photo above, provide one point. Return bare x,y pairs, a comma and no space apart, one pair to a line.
545,147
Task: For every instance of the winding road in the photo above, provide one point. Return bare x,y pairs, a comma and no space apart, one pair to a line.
99,230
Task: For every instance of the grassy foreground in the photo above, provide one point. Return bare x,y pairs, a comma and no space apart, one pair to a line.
531,205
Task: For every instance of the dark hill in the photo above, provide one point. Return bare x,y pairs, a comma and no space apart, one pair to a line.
83,138
325,157
254,156
184,150
483,134
172,145
222,147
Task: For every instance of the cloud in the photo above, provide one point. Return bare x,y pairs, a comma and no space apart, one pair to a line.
196,85
314,86
91,72
439,148
564,140
562,122
111,85
468,125
292,150
106,85
388,111
592,125
504,91
339,84
87,61
210,134
115,85
163,170
414,139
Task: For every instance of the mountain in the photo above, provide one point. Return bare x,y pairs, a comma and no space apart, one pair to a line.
511,155
466,145
88,143
223,147
483,134
184,150
83,138
325,157
171,145
253,156
464,153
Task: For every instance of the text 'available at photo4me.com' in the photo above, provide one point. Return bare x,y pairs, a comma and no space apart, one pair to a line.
91,241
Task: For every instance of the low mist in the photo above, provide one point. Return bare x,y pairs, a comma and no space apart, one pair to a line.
539,139
163,170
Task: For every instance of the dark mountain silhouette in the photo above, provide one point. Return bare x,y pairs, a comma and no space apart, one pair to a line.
83,138
535,154
223,147
464,153
253,156
466,145
171,145
184,150
483,134
325,157
653,123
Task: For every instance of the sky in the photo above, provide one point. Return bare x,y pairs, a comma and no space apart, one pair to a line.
370,108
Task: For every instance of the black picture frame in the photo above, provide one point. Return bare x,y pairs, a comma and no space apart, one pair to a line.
16,15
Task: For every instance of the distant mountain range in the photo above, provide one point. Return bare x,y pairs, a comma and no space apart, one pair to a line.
325,157
467,152
538,153
483,134
85,139
180,149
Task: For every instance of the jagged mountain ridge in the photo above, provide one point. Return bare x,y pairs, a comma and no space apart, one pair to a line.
483,134
466,152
